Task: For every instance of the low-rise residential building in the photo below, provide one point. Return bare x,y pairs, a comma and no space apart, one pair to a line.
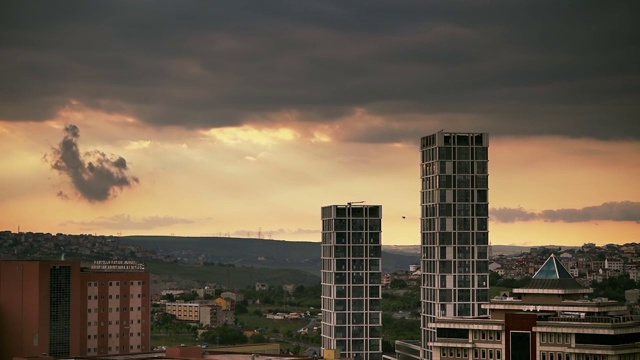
232,295
261,286
213,315
226,304
205,291
184,311
289,288
613,264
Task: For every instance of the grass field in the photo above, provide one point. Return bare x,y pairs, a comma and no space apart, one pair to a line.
160,339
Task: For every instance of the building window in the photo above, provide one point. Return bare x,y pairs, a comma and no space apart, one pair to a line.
498,354
543,355
498,335
543,337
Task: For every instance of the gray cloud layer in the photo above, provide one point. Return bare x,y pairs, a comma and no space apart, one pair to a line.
609,211
125,222
511,68
95,179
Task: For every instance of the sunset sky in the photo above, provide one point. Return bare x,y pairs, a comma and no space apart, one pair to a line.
233,118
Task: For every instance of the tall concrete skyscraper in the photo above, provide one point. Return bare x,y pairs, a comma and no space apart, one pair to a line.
351,280
454,227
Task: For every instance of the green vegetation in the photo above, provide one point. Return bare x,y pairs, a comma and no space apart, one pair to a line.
163,339
398,329
495,280
402,300
303,299
224,335
236,277
497,290
614,287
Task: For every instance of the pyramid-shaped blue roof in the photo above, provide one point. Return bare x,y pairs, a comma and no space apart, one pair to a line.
553,277
552,269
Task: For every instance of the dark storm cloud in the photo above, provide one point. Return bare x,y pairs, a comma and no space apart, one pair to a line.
510,68
95,175
609,211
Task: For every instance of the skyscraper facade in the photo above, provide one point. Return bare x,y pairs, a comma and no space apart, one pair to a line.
454,228
351,280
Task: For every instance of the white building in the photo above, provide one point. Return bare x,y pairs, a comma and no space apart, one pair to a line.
613,264
454,228
351,281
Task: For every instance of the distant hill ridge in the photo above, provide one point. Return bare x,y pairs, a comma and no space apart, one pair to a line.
301,255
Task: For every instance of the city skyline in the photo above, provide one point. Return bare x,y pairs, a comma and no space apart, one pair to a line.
243,118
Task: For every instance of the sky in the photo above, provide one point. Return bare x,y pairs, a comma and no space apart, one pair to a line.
243,118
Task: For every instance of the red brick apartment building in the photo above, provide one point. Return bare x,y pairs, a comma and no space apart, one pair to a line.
61,309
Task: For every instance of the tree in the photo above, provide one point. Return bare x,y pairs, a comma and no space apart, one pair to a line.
190,296
258,338
241,309
398,284
494,278
225,335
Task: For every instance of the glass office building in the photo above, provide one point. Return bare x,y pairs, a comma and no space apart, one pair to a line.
454,228
351,280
